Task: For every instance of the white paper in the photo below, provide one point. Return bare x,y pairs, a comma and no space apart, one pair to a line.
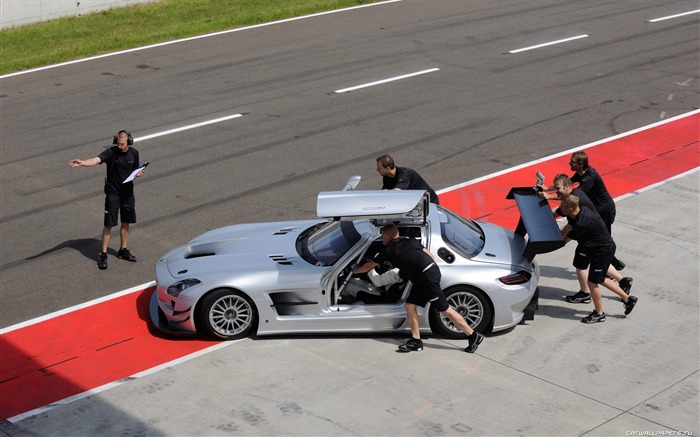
133,174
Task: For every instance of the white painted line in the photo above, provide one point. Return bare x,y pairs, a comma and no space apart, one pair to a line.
68,400
567,152
453,187
192,126
658,184
76,307
391,79
239,29
549,43
670,17
221,345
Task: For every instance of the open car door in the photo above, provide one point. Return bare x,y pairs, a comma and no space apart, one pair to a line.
381,206
536,221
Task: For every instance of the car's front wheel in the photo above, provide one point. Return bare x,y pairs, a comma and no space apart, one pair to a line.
471,303
227,314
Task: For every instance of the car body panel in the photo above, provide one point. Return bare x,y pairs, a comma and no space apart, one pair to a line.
296,283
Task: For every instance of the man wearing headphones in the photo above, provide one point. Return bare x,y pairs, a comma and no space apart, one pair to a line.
121,160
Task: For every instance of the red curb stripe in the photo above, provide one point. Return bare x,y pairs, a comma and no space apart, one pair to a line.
79,351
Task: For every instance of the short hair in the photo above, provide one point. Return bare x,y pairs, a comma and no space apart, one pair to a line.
571,201
564,179
391,230
386,161
581,157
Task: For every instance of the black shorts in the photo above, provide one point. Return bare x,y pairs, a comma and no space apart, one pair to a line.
427,289
596,263
116,202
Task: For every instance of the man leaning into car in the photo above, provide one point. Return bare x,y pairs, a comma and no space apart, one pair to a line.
416,264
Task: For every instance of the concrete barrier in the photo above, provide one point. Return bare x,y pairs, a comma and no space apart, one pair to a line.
14,13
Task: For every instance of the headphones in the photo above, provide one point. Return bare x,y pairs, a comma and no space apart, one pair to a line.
129,140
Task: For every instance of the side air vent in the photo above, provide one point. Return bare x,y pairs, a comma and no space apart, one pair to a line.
283,231
199,255
281,259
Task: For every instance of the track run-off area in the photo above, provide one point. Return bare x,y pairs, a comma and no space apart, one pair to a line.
70,354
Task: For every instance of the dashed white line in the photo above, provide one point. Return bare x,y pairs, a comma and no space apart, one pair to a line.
670,17
191,126
391,79
239,29
559,41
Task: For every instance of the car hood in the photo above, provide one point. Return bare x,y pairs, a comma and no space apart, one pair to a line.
502,246
245,247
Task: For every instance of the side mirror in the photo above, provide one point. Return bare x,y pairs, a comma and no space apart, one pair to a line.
351,183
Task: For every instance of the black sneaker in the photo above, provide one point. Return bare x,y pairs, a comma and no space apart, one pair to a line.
629,305
102,261
593,317
474,341
618,264
579,297
411,345
626,285
126,255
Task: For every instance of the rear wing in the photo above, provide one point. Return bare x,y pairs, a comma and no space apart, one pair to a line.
536,221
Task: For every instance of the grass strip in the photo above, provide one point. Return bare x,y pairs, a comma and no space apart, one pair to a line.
71,38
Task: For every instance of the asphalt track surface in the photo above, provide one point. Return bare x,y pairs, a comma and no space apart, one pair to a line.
483,111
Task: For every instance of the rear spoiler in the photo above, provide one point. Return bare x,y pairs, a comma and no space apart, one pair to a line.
536,221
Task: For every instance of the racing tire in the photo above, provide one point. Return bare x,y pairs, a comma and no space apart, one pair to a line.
227,315
468,301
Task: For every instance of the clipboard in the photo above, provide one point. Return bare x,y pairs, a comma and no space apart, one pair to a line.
133,174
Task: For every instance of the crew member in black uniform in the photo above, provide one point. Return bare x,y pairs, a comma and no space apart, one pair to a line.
596,249
402,178
121,160
416,264
562,189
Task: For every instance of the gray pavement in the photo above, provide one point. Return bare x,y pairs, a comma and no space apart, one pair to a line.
635,375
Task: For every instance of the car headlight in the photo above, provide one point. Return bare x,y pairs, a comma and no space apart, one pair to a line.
180,286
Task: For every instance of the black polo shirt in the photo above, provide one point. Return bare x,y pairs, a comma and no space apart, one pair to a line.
119,167
592,184
408,179
589,230
407,255
583,202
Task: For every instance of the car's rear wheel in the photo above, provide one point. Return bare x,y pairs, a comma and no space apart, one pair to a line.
471,303
227,314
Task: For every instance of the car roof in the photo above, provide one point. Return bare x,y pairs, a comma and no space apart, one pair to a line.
372,204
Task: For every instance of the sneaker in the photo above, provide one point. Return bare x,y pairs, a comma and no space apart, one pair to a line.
579,297
618,264
593,317
474,341
411,345
626,285
102,261
629,305
126,255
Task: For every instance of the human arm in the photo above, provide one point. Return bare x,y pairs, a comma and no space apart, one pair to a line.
91,162
387,278
565,233
366,267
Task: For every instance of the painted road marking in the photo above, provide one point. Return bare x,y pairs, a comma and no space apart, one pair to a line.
670,17
60,358
551,43
188,127
391,79
177,41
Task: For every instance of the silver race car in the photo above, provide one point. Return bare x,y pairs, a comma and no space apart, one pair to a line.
291,277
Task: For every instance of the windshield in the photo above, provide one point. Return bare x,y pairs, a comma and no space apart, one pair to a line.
327,242
461,234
